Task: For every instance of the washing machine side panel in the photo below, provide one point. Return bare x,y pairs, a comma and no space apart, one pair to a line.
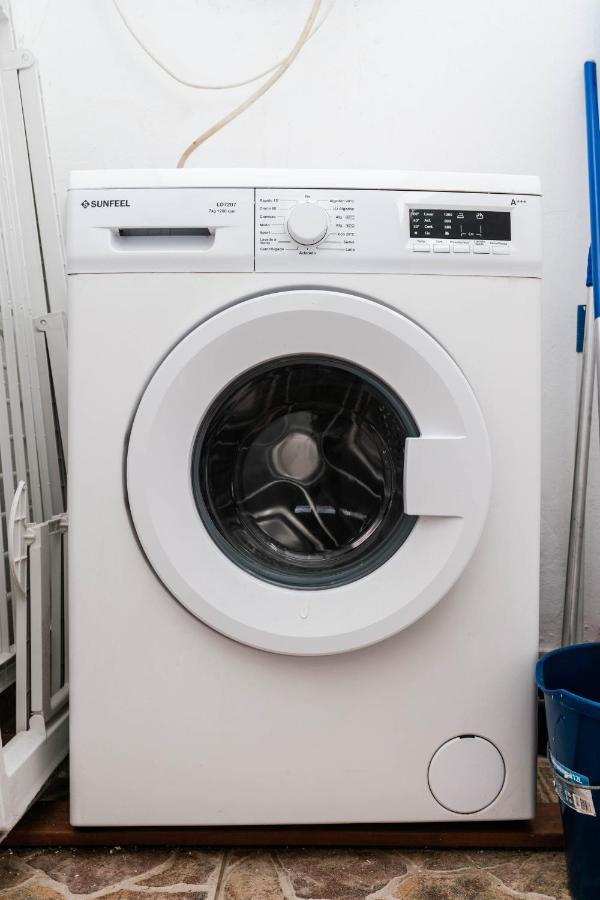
172,723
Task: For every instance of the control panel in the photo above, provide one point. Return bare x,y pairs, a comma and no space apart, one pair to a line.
318,230
299,222
303,230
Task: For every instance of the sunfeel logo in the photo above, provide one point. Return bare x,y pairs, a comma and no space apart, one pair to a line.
108,203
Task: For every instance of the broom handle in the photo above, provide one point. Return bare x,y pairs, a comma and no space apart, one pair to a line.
572,612
593,146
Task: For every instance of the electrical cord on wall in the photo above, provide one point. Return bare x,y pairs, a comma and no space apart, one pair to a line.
278,69
209,87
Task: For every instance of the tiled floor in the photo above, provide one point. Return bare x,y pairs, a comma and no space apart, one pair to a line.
127,874
170,874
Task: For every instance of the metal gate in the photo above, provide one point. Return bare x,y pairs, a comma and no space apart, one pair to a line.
33,443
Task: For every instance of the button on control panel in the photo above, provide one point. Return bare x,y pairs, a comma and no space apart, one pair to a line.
422,245
307,223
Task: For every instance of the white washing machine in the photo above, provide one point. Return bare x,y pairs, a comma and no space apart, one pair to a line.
304,485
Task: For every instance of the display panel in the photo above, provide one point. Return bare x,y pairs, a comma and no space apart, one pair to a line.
460,224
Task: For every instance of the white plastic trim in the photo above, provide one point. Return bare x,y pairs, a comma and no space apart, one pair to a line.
384,179
26,763
17,537
16,59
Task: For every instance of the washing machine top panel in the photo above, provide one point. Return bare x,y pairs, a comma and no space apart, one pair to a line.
308,471
303,221
362,179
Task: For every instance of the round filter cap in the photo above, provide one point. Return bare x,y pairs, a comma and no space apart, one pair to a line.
466,774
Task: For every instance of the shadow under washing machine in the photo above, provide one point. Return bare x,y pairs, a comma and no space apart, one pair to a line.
304,471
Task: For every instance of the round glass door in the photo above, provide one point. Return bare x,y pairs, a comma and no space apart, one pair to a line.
297,471
308,471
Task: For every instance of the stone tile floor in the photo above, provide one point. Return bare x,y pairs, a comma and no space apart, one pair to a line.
294,874
171,874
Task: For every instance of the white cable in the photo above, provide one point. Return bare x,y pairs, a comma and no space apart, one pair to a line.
210,87
259,92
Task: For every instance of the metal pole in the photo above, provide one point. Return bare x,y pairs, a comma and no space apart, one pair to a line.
572,614
573,611
593,145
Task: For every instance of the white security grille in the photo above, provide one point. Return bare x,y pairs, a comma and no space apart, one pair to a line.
33,601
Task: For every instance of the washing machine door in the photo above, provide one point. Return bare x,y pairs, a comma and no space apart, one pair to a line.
308,472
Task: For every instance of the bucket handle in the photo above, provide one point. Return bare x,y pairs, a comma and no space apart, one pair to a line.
558,777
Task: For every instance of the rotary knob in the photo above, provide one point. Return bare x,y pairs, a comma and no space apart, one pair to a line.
307,223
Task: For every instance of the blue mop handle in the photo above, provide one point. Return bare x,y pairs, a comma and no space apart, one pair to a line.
593,143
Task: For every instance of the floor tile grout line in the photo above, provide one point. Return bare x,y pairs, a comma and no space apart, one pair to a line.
285,881
221,878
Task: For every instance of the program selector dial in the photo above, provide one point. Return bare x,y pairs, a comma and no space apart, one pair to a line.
307,223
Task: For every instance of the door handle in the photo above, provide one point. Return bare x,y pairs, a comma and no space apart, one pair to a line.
438,475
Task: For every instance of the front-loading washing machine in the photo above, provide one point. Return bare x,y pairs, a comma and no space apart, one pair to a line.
304,483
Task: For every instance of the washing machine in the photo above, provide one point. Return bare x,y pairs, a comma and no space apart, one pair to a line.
304,487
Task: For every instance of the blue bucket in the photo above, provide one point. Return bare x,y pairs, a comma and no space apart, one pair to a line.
570,681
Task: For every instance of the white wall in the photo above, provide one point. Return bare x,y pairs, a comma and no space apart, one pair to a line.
474,85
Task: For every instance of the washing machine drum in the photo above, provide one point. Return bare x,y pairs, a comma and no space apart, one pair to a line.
298,471
308,472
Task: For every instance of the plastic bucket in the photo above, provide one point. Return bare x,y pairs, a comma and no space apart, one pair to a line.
570,681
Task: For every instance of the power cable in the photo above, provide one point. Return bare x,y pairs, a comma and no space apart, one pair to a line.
258,93
278,70
208,87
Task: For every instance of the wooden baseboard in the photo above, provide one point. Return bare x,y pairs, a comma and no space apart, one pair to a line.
47,825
